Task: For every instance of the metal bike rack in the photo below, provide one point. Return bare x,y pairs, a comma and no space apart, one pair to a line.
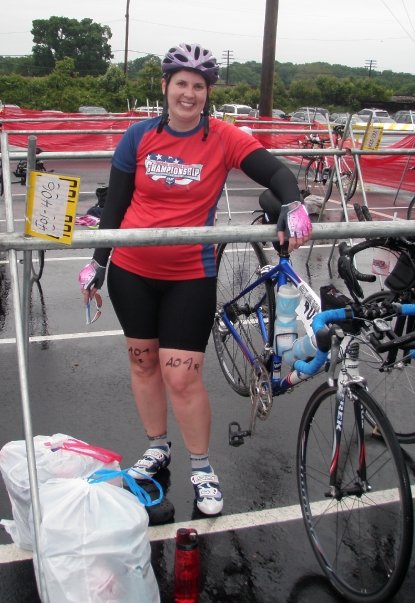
11,242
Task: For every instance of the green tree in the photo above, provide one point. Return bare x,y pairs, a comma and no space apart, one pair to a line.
59,83
134,67
369,92
149,78
84,41
219,96
113,79
280,95
13,90
303,92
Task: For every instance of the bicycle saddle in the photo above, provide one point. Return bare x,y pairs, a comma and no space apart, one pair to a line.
271,206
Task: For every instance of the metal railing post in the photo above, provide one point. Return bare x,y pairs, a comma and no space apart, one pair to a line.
22,360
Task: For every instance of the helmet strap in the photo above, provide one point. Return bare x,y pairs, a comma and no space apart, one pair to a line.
164,120
205,117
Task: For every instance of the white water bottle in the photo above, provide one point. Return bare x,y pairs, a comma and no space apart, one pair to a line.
285,329
302,348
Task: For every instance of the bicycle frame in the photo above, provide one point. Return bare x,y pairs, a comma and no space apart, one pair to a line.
309,306
345,383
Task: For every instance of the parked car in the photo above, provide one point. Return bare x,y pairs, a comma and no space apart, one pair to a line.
233,109
279,114
307,117
365,114
276,113
334,116
383,120
343,117
9,106
92,110
404,117
314,110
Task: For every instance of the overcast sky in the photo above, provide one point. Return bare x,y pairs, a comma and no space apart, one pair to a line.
347,32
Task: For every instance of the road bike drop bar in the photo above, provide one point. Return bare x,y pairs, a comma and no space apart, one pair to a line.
324,334
329,339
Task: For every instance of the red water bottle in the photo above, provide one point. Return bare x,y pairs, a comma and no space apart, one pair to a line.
186,566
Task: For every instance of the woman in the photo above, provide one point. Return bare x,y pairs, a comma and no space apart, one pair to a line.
169,171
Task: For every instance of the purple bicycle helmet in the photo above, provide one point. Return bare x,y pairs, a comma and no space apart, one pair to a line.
191,56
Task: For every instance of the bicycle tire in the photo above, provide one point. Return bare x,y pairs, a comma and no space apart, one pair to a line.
238,266
38,263
349,183
362,541
392,386
313,179
411,210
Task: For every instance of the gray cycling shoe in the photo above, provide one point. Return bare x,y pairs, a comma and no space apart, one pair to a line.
152,461
208,495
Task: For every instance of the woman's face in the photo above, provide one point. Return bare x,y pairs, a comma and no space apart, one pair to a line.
186,96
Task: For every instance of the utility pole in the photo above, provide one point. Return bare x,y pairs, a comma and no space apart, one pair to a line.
228,56
370,63
268,58
127,27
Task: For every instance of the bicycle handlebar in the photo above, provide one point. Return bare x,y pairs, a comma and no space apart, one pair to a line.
316,139
346,251
349,272
323,333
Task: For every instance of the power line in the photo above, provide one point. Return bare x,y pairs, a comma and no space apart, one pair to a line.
397,20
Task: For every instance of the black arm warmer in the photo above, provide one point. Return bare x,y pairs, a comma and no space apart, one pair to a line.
120,192
268,171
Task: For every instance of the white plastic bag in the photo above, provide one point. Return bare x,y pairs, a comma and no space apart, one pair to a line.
94,545
56,456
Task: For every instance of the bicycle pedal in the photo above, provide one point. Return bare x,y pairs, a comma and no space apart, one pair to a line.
236,435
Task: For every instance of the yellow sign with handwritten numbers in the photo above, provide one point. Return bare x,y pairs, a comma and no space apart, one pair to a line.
372,138
51,206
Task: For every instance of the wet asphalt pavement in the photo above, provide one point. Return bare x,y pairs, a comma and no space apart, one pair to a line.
79,385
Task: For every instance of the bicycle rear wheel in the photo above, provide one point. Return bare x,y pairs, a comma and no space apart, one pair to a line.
391,378
348,180
411,210
316,180
238,265
362,538
38,263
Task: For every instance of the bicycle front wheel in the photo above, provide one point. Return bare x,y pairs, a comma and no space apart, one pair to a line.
391,378
362,533
238,265
317,179
411,210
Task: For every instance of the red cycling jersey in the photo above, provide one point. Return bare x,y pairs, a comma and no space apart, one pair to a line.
178,182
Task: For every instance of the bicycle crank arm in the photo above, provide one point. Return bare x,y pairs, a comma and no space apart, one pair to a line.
236,435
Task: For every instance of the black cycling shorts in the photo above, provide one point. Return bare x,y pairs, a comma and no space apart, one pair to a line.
178,313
